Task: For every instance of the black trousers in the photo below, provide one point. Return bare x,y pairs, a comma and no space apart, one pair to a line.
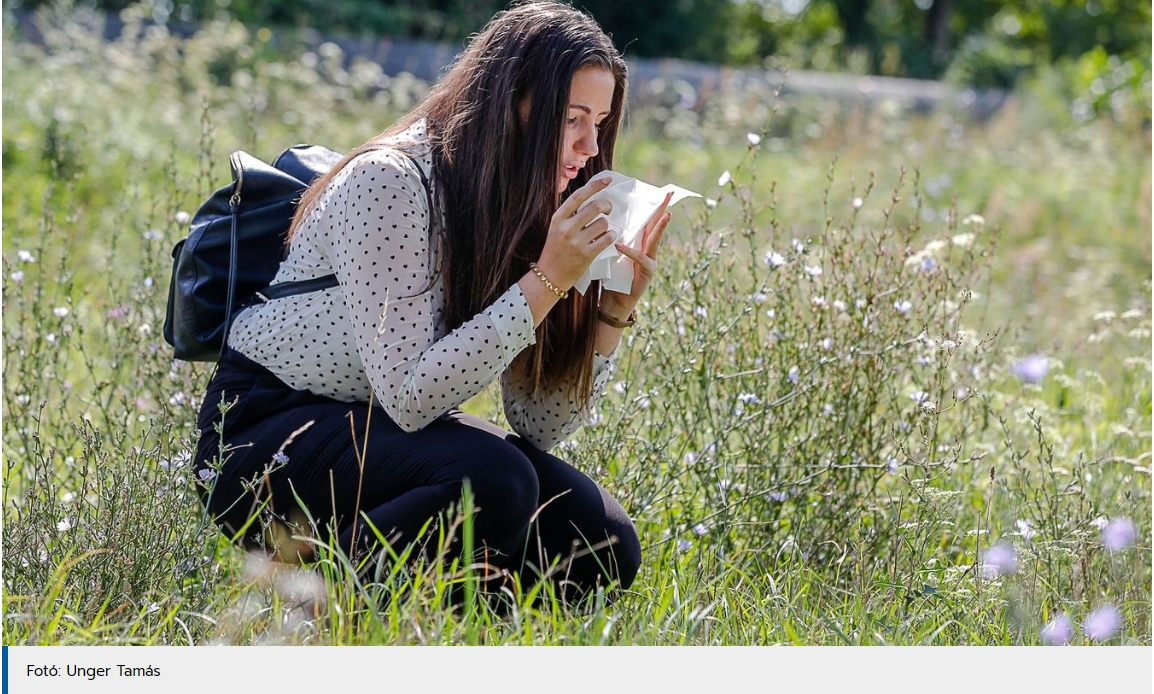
290,455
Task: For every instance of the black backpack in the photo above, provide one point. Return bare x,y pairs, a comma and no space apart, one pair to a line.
235,245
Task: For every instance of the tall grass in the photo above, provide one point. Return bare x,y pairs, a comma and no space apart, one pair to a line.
893,386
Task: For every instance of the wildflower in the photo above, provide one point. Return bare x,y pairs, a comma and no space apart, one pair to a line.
760,298
17,276
683,545
1026,529
903,306
25,257
794,375
974,219
724,485
774,259
183,217
948,345
148,282
1058,631
724,178
182,459
60,311
710,203
619,387
298,585
819,301
919,396
64,525
777,496
280,458
753,138
928,264
826,343
827,409
964,240
206,475
892,466
1119,534
690,458
699,529
23,398
999,560
1102,623
701,312
813,270
857,203
748,398
152,235
1032,369
50,338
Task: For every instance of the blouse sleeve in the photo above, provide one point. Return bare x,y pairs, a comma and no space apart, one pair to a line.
380,253
549,418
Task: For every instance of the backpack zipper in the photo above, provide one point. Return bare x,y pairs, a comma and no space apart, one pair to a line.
238,170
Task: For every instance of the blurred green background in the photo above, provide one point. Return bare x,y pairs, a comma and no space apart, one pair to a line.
1100,49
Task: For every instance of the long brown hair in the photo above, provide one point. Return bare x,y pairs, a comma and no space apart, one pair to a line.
497,174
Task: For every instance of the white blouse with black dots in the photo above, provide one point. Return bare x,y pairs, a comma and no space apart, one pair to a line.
381,329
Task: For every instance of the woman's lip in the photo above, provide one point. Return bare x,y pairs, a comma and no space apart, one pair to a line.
570,171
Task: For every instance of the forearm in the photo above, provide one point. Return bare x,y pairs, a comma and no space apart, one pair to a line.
609,337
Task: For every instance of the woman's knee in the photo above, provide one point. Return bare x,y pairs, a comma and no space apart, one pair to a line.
499,480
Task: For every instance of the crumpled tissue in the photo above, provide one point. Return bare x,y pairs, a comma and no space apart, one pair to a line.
634,202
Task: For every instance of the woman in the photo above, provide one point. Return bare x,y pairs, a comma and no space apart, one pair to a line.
455,236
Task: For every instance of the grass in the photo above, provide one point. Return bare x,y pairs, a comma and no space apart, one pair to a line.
821,424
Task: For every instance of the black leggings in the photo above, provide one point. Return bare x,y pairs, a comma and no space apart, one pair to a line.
288,450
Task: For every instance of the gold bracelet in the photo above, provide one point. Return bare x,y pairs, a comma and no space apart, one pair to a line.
561,293
613,322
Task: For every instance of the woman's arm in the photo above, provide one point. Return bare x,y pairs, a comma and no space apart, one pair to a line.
379,249
545,420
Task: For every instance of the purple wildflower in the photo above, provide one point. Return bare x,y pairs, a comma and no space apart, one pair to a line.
1058,631
1102,623
1032,369
999,559
1119,534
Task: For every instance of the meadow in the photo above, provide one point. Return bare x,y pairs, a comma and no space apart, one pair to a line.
893,386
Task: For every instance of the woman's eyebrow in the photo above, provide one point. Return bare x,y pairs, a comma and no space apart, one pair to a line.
588,110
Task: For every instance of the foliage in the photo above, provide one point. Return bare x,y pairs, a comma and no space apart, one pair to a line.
880,357
979,43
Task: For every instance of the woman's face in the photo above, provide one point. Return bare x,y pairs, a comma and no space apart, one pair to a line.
590,98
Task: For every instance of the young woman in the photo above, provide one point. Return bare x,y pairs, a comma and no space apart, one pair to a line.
456,236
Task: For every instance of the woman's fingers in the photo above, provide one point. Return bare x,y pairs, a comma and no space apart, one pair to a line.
579,196
644,261
654,235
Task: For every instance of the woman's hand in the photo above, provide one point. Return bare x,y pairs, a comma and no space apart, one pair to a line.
576,237
618,304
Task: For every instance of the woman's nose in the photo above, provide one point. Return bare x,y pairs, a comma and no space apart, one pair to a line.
587,143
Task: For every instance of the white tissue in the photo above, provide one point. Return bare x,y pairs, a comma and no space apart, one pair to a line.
634,202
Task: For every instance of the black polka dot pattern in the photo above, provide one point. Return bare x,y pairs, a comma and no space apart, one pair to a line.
380,331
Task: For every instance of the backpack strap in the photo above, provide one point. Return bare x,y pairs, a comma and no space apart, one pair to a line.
283,289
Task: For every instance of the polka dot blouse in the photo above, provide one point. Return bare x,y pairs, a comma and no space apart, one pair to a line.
381,330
